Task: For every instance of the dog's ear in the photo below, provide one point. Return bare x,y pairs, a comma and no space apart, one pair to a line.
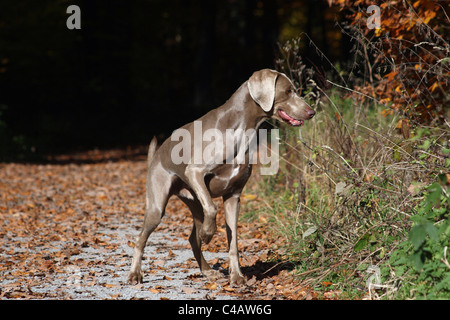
261,86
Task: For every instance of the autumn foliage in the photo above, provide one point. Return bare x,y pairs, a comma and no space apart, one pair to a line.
408,60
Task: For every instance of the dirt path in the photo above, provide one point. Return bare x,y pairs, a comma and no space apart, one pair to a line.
67,232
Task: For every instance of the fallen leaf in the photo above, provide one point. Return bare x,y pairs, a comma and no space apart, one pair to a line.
228,288
188,290
210,286
171,254
334,294
159,262
327,284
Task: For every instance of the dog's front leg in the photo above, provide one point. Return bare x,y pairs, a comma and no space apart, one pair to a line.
196,180
231,208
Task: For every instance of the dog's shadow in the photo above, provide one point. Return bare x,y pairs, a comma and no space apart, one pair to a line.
261,269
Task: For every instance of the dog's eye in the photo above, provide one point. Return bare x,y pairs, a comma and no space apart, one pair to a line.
289,91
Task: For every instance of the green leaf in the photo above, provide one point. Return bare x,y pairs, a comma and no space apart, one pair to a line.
444,284
382,252
309,232
433,196
426,144
416,260
362,243
417,236
445,60
399,271
435,192
396,154
431,230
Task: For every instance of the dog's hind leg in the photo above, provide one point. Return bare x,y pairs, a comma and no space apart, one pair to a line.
158,192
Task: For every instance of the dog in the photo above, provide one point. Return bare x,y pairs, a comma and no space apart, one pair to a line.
266,94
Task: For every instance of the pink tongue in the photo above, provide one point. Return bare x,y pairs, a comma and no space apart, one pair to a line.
291,120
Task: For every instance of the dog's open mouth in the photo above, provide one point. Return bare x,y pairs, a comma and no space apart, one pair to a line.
288,119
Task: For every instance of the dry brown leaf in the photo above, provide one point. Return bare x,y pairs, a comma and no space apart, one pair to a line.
188,290
210,286
228,288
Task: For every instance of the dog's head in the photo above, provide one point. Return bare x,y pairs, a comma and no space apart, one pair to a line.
275,94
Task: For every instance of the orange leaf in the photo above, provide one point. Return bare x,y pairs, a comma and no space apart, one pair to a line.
337,116
211,286
229,289
391,75
433,86
429,15
387,112
327,284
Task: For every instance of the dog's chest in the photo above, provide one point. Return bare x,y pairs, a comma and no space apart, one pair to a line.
228,178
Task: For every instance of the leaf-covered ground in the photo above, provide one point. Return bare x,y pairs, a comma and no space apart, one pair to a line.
67,231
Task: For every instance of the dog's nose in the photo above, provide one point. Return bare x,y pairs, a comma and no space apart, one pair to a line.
311,113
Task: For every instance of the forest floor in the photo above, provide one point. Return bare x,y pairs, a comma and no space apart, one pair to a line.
67,231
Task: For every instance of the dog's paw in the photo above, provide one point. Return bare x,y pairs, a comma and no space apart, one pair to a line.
134,278
237,280
212,274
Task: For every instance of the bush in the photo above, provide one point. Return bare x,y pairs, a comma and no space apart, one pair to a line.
419,265
349,193
406,61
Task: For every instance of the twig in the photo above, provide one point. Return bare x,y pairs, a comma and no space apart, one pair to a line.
358,92
337,264
271,268
444,260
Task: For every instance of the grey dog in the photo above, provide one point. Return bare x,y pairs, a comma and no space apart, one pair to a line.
267,94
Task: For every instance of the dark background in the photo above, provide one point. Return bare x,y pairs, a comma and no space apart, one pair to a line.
138,68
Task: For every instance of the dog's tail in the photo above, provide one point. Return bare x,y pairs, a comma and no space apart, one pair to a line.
151,151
